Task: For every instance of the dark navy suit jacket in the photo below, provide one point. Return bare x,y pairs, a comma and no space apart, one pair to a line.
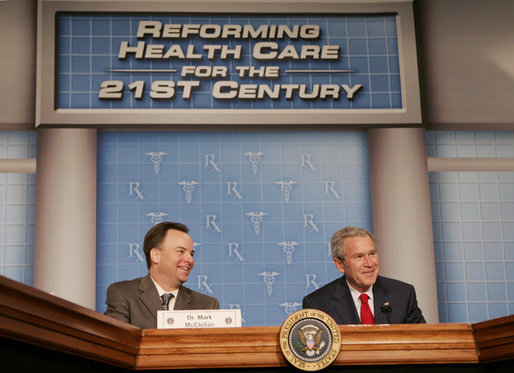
336,300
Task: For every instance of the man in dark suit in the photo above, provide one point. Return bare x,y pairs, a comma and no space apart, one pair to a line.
390,301
169,254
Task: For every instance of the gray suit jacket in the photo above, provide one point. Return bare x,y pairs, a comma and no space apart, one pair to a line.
336,300
137,301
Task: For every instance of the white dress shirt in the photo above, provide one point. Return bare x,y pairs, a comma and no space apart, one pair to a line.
356,300
161,291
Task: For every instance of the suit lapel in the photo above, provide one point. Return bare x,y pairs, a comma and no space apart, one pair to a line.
184,299
149,296
380,295
344,306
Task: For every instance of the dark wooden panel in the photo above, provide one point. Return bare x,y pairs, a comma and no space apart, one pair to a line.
35,317
495,339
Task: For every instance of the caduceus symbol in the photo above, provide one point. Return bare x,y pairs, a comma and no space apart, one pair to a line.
254,158
269,279
156,158
156,217
188,187
288,248
286,186
256,219
290,307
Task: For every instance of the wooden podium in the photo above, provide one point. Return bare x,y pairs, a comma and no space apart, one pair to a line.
33,318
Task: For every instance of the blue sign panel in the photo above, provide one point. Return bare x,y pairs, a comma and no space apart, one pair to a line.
177,61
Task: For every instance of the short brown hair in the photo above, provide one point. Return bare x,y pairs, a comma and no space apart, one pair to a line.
337,242
156,234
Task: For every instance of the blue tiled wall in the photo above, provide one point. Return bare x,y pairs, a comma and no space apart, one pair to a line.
473,212
261,207
473,220
17,209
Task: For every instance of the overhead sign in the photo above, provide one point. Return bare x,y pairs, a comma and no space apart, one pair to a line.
283,65
172,61
223,67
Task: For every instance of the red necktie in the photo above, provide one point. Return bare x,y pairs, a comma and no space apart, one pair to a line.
366,315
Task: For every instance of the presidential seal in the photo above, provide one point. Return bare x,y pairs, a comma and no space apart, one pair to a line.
310,340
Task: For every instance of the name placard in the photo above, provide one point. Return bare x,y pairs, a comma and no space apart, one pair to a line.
191,319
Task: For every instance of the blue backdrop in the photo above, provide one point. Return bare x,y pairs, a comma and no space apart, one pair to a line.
262,208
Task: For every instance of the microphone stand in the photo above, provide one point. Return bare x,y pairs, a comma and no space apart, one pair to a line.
386,309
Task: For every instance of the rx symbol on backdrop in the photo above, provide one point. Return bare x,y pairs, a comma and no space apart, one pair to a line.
308,221
211,222
209,162
135,252
233,251
311,281
330,189
202,283
134,190
306,162
232,189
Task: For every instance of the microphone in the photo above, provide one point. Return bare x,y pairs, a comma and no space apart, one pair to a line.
386,309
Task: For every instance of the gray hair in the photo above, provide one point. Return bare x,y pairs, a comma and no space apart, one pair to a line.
337,242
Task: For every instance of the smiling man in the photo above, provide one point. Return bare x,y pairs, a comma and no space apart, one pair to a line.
169,255
361,296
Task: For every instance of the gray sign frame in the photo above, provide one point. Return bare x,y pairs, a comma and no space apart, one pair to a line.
48,116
